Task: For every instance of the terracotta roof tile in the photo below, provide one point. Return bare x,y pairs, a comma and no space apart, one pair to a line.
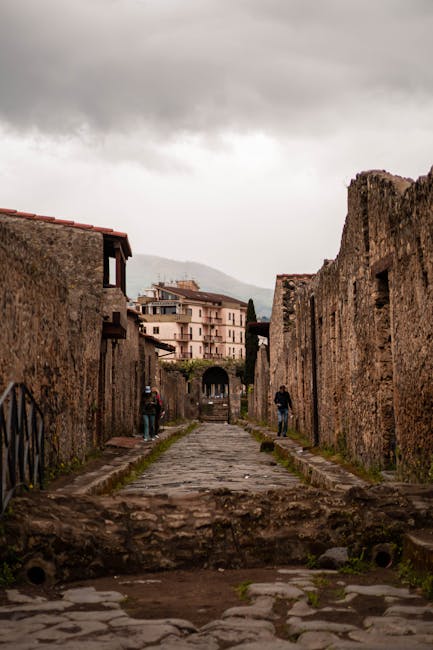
68,222
201,296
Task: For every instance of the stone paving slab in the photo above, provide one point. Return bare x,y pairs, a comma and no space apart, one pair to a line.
83,620
213,456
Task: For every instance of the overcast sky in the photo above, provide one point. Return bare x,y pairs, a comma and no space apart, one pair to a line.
218,131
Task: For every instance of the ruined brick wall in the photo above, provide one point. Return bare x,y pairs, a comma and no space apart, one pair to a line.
372,330
51,289
289,365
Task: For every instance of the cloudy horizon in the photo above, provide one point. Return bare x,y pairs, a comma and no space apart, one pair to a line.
223,132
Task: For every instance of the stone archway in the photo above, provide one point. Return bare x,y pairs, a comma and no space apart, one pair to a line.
215,395
215,383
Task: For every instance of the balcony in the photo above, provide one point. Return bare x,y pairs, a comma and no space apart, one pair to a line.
182,337
167,318
184,355
212,355
212,320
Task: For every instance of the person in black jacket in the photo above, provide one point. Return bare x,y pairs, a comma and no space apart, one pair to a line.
283,402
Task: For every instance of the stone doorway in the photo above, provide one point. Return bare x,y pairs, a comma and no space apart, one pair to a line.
215,399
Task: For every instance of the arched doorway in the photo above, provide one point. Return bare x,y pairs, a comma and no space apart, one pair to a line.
215,383
214,403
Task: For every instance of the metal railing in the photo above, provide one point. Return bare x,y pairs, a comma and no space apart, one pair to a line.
184,355
21,442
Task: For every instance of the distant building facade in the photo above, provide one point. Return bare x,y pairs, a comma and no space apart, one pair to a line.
199,324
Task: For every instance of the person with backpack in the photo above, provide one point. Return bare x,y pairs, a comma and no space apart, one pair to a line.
283,401
159,410
150,407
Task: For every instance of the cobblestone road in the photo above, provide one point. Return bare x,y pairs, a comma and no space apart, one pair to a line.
213,455
285,614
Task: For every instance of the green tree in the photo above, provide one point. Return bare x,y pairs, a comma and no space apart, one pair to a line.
251,344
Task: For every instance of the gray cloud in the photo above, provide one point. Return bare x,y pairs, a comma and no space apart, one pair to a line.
198,66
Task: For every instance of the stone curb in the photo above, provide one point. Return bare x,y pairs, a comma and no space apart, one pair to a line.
318,471
102,480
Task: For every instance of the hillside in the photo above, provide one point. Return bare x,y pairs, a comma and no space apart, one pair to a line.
144,270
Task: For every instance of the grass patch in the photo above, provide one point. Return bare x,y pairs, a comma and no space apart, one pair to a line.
311,562
411,577
313,599
157,450
72,467
371,475
356,565
242,589
321,581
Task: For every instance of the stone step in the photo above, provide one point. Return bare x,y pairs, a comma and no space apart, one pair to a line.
418,548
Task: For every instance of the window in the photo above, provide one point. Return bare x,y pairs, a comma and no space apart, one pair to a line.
240,335
144,330
230,334
230,315
199,331
156,330
199,313
240,353
240,317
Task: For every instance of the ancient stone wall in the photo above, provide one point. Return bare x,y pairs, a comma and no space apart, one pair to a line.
52,303
258,397
283,325
174,394
123,382
51,326
357,355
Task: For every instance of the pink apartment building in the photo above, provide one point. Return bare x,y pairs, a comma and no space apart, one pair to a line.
199,324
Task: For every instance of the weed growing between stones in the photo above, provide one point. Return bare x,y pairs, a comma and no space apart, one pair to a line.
313,599
242,589
311,562
410,576
321,581
9,566
356,565
64,469
372,474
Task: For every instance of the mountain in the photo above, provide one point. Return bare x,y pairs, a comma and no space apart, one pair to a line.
144,270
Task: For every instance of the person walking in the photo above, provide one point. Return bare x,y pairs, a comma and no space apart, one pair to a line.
150,406
283,401
159,409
